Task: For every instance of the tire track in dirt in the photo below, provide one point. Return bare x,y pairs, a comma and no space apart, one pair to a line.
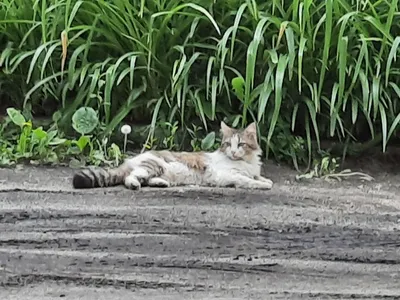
200,242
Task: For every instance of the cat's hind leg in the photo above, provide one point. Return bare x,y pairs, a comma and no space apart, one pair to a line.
143,173
138,177
158,182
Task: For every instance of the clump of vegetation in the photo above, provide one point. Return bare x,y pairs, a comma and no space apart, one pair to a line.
23,142
305,71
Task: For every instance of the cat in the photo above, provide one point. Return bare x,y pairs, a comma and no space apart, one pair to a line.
236,164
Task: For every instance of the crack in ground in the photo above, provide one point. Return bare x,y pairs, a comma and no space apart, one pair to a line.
336,295
25,279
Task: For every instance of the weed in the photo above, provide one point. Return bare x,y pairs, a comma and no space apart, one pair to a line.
21,142
305,71
195,141
327,168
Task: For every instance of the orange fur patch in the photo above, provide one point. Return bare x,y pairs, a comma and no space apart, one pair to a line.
192,160
250,140
166,155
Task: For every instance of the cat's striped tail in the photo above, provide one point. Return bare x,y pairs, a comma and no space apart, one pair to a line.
93,177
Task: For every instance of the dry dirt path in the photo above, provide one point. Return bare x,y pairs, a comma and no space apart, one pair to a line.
320,241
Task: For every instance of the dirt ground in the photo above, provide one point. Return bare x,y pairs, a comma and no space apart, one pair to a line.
320,240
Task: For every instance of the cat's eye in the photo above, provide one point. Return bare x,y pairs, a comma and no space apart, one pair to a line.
228,144
241,144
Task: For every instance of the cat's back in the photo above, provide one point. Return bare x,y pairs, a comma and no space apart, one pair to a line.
184,167
147,156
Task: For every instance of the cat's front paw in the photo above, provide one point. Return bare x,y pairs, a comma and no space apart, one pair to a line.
261,178
263,185
158,182
132,183
268,181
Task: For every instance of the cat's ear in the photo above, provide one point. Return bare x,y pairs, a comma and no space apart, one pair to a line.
251,129
225,129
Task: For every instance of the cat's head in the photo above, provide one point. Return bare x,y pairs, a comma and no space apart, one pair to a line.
240,144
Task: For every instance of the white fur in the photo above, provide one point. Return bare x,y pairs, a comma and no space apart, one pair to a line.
221,170
158,182
234,150
224,171
132,182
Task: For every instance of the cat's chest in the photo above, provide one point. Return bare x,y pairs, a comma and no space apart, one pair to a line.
227,165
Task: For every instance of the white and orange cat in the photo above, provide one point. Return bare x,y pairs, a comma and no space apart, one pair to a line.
235,164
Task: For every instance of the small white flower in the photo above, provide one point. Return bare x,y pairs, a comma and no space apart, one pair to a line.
126,129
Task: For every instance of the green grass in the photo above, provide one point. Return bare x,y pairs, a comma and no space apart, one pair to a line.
306,70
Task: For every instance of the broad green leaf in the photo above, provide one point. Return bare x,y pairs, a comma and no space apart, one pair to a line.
238,85
82,142
208,142
85,120
57,141
16,117
280,74
392,57
327,43
39,133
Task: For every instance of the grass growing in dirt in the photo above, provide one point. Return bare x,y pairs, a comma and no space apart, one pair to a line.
305,71
25,142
